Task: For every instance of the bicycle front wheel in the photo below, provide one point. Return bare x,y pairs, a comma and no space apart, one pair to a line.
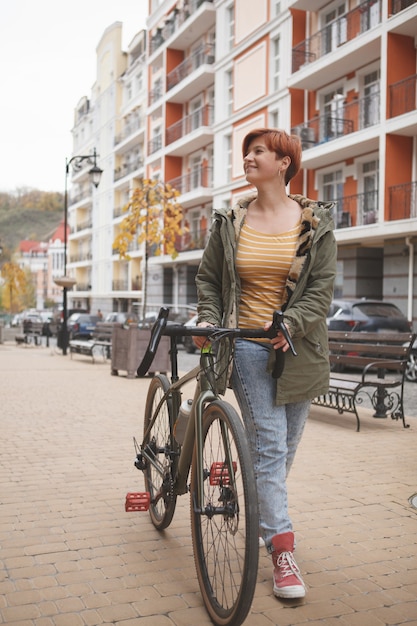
225,531
159,449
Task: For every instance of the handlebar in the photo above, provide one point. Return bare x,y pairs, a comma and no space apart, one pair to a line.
161,328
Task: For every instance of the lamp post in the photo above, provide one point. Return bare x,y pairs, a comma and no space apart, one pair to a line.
65,281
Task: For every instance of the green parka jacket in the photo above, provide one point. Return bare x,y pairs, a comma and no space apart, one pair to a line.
309,291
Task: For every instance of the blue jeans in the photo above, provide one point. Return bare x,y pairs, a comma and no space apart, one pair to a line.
274,433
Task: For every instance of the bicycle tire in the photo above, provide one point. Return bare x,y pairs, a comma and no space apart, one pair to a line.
226,550
159,443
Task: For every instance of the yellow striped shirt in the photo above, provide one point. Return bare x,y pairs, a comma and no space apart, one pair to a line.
263,262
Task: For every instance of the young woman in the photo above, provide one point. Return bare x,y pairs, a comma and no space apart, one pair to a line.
272,251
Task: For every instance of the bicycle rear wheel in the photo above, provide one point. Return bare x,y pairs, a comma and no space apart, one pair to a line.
225,532
159,450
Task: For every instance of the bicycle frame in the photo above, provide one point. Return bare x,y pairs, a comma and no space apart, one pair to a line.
203,394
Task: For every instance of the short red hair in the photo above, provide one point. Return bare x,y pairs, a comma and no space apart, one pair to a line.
281,143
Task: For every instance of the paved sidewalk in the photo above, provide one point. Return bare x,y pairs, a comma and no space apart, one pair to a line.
71,556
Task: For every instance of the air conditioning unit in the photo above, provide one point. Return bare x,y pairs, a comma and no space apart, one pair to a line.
306,135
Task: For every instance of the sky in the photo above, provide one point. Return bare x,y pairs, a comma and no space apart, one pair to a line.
47,63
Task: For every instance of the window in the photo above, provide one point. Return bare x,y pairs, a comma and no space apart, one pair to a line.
139,82
370,102
231,27
368,210
276,63
228,153
333,191
229,92
275,8
332,123
334,30
274,119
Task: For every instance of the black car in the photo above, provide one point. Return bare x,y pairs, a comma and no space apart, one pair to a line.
366,316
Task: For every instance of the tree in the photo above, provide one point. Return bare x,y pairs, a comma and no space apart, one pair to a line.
153,217
14,285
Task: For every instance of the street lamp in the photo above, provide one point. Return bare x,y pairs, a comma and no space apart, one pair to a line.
65,281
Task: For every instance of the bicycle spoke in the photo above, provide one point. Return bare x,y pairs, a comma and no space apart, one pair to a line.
225,529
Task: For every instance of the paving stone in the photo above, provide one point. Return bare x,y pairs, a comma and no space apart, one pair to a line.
71,556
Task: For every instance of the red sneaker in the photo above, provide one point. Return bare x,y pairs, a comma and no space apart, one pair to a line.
287,578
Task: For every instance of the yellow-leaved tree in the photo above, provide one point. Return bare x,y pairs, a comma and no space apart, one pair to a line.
153,217
14,286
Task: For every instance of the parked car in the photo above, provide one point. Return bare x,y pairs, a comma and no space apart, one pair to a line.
121,317
366,316
81,325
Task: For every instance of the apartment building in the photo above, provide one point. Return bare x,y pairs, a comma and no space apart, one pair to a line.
341,75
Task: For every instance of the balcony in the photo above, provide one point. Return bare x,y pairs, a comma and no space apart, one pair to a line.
155,93
402,96
120,285
127,168
347,118
82,287
155,144
194,187
191,133
82,225
403,201
352,24
399,5
335,50
81,257
192,241
130,129
192,76
185,25
358,210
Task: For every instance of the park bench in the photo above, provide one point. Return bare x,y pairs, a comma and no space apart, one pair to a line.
31,333
99,346
381,359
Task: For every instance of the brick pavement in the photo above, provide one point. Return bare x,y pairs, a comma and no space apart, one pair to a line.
71,556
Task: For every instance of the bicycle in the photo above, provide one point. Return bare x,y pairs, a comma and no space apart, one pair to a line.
212,447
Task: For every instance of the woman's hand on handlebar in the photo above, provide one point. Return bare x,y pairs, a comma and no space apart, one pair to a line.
202,342
279,341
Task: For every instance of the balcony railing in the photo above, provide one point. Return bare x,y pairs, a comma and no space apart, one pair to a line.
120,285
82,287
155,93
349,26
197,119
155,144
81,256
127,168
129,129
400,5
84,225
175,20
403,201
203,54
199,177
348,118
358,210
192,241
402,96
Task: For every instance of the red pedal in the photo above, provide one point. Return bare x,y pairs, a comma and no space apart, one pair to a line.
219,473
139,501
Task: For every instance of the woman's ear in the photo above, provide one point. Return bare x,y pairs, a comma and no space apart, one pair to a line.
286,162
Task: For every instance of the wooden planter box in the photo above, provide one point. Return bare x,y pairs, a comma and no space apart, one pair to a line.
128,345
